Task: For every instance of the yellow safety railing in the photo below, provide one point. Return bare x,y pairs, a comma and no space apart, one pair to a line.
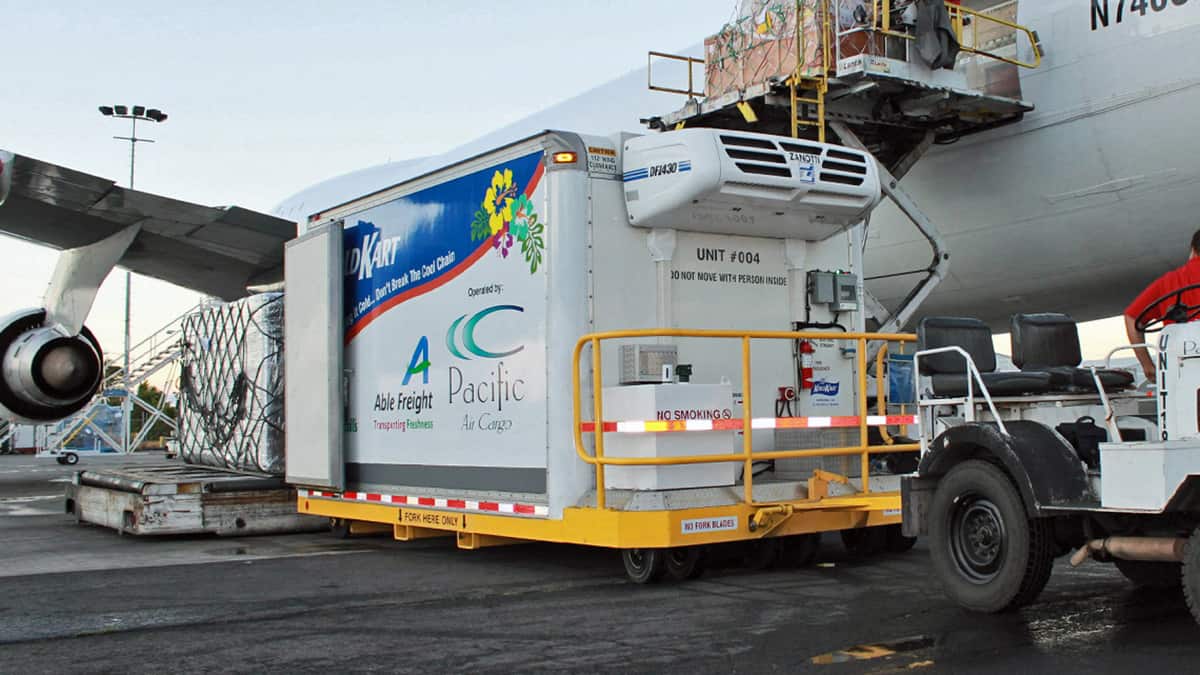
960,18
691,62
748,456
819,84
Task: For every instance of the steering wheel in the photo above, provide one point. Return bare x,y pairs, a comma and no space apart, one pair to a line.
1177,313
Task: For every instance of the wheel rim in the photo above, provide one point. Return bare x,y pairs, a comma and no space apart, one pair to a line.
977,538
637,559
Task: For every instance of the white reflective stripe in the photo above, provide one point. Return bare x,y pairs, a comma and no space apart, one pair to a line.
440,502
820,421
631,427
876,420
762,423
698,425
474,506
541,510
507,508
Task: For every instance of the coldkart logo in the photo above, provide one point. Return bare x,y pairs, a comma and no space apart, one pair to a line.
468,338
823,388
370,253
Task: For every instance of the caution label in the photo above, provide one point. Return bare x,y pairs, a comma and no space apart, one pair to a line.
702,525
602,161
433,519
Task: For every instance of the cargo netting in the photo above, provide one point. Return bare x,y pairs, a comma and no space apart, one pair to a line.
761,44
231,387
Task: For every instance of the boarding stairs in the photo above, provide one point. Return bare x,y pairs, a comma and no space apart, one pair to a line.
805,68
7,429
158,352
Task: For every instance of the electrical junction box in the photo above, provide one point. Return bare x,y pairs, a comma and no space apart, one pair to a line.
648,364
837,290
669,402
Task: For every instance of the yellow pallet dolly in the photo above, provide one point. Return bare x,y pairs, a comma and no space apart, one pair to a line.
654,540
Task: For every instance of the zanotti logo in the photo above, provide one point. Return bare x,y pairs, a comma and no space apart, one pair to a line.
467,338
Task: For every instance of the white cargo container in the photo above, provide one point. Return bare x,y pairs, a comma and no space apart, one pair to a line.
430,331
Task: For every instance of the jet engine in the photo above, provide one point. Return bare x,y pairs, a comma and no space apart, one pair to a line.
46,374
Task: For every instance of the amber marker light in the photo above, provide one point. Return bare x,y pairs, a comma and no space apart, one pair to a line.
565,157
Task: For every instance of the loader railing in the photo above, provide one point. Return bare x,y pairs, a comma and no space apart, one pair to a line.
598,426
969,25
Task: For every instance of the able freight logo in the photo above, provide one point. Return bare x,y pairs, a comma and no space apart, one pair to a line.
467,340
419,363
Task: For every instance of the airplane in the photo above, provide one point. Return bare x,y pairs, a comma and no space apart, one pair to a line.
1073,207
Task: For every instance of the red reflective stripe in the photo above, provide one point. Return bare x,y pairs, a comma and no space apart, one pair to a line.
426,501
456,503
675,426
522,508
349,495
371,497
489,506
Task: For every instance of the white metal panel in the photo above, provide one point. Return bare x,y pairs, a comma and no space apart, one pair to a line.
313,362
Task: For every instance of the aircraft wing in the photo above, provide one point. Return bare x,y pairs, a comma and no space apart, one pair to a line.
218,251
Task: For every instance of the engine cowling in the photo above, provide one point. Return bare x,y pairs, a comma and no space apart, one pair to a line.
46,374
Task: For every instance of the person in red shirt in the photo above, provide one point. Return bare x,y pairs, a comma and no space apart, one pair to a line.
1185,275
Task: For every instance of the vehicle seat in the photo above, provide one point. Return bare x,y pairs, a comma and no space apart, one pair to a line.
948,371
1049,342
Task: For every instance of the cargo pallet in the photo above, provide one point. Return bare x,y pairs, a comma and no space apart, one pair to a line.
176,498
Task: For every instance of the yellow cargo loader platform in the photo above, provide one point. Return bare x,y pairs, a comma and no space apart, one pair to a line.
668,531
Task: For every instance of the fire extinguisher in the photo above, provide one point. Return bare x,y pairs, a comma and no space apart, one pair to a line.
806,364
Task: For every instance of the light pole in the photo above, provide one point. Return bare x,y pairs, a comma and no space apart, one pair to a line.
133,114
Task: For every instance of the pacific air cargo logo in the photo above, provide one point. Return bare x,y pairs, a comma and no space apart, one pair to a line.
467,339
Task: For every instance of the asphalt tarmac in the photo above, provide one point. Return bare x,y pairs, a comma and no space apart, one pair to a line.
77,598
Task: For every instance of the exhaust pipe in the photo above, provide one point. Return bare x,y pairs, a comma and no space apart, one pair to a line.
1149,549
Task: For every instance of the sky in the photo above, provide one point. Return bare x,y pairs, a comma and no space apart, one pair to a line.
266,98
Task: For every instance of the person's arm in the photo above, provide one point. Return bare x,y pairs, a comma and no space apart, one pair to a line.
1143,355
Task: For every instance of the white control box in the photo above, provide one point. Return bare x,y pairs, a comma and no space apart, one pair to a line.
672,402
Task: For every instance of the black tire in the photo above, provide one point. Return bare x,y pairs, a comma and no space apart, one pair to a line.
801,550
763,554
864,541
684,563
72,458
896,541
1191,574
990,556
61,460
339,527
1161,576
644,565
